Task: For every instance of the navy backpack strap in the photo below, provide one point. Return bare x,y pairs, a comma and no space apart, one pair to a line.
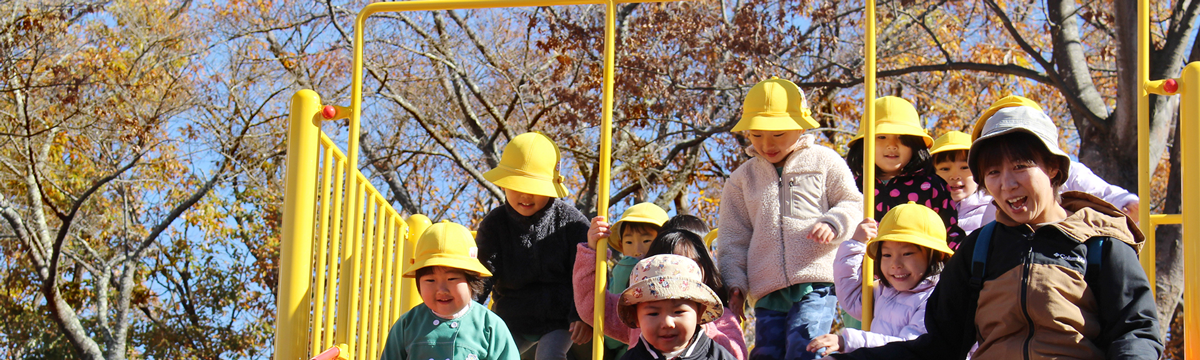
979,257
1095,253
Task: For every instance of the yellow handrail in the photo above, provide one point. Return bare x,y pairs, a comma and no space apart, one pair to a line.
1189,154
868,178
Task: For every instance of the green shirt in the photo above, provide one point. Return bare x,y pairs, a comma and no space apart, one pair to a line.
781,300
620,275
478,334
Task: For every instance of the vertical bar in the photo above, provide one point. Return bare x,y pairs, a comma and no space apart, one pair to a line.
417,224
377,273
322,248
350,319
295,263
393,279
398,272
335,260
368,246
868,282
610,10
334,257
1145,191
1189,152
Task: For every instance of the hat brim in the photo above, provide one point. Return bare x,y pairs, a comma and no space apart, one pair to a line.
510,180
457,262
1050,144
919,240
667,288
775,123
897,129
949,147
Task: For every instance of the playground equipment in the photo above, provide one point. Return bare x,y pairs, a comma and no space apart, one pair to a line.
339,301
1186,86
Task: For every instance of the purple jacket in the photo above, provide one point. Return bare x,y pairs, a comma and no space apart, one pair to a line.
899,315
977,209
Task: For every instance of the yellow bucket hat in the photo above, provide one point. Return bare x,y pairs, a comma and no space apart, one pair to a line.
1004,102
911,223
710,238
954,140
446,244
895,116
644,213
527,166
775,105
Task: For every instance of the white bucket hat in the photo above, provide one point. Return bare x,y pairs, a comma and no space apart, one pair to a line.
1024,119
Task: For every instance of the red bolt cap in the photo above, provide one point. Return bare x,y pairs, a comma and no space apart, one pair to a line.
329,111
1171,86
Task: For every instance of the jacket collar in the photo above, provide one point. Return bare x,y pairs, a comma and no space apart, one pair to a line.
1090,217
693,349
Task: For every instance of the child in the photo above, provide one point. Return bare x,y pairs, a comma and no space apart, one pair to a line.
782,215
909,253
529,245
1031,291
975,207
903,169
448,325
668,300
725,331
639,225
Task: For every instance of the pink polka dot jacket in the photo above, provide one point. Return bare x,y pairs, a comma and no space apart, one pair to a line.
922,187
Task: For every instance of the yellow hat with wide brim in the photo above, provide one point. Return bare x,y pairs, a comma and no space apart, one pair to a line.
775,105
446,244
911,223
895,116
644,213
710,238
954,140
1004,102
529,164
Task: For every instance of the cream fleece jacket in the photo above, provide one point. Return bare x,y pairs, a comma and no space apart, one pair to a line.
767,217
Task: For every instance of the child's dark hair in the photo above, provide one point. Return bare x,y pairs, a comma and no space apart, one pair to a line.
920,157
687,222
950,156
937,262
688,244
474,281
1017,147
638,227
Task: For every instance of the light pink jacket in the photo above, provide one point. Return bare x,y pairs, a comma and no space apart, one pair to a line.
899,315
766,218
726,330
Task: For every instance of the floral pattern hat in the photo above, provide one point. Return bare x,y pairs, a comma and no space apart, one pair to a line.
663,277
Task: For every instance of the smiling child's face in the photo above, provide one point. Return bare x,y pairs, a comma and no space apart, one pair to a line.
891,155
904,264
445,290
959,180
669,324
774,146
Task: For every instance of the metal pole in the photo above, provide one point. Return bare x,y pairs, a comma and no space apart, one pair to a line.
1189,153
605,165
299,208
1145,192
868,180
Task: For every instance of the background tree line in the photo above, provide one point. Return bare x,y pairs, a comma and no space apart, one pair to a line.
142,141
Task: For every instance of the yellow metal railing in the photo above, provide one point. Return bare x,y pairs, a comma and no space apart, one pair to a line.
354,292
1186,86
348,291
